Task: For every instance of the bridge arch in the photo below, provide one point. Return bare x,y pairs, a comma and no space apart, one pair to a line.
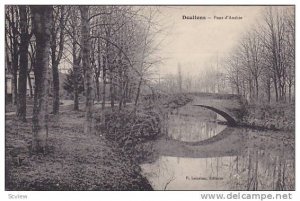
231,121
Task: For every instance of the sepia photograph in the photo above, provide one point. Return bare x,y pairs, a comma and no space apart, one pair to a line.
149,97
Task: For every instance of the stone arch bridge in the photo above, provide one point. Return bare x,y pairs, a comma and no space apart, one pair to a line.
229,106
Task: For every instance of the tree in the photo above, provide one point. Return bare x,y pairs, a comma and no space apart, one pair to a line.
290,39
144,61
110,63
97,65
24,44
12,40
32,64
275,30
74,34
234,72
59,19
251,56
88,71
267,57
41,22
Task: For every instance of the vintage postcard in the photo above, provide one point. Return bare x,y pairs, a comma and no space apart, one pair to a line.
149,97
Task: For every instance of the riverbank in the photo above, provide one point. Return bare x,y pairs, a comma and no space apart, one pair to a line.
73,161
277,116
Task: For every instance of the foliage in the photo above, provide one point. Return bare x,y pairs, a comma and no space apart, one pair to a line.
166,101
131,130
69,82
134,131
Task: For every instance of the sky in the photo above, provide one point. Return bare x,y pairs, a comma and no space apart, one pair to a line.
195,44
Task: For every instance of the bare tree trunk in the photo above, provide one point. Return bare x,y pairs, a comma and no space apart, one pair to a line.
121,88
55,76
75,82
237,89
138,92
15,74
31,69
237,81
110,68
76,61
98,89
5,89
41,20
88,79
244,89
121,98
30,85
104,82
14,54
290,92
124,84
111,88
282,94
8,65
98,70
22,88
250,90
257,87
269,90
56,57
129,94
14,87
275,87
126,92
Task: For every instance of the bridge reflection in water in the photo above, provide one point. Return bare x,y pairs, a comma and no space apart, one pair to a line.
220,157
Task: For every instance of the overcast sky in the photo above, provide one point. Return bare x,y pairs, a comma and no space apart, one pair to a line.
196,43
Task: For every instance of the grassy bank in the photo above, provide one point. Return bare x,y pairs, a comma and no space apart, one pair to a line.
74,161
271,116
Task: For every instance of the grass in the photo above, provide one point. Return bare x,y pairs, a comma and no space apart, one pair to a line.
74,161
271,116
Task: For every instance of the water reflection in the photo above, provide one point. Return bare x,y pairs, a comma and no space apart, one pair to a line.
197,125
243,160
175,173
254,169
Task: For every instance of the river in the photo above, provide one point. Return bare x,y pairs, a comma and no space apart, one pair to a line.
202,153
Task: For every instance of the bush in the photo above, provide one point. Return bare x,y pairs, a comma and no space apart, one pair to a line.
131,130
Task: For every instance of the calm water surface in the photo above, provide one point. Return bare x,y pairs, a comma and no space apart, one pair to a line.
229,158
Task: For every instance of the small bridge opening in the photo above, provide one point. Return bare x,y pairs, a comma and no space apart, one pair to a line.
192,124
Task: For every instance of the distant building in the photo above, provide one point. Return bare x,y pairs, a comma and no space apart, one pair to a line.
9,83
9,79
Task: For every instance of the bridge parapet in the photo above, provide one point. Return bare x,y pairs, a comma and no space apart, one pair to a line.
230,106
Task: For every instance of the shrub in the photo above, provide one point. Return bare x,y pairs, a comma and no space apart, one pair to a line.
131,130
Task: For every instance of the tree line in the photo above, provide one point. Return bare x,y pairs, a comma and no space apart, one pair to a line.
108,48
209,79
262,66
